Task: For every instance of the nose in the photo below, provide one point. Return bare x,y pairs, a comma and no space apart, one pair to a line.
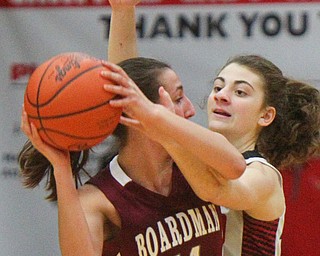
189,109
221,96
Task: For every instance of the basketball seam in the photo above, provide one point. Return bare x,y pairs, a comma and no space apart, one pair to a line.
71,113
72,136
58,91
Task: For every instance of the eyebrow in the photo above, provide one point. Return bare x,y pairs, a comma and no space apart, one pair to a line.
179,88
236,82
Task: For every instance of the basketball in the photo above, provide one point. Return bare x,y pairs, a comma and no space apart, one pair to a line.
66,101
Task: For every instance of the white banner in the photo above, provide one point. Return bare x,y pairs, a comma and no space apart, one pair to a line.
195,37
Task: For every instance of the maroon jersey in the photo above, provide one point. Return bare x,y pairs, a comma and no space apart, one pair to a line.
153,224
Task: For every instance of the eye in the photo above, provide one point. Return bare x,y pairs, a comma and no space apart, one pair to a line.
240,93
178,100
216,88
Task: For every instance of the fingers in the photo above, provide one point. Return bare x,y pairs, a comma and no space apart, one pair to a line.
24,125
116,89
115,68
117,79
55,156
36,139
132,100
121,103
123,86
116,74
121,3
129,122
30,130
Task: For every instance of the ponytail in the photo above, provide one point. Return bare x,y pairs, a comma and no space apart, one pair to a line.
34,167
293,137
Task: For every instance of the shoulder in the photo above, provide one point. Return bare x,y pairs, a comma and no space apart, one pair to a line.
90,193
268,184
259,169
95,200
98,208
265,171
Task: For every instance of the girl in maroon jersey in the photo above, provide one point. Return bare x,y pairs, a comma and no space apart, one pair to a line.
271,119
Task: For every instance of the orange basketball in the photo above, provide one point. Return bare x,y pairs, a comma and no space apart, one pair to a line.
66,101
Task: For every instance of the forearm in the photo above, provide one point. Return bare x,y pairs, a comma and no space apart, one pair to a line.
215,152
122,37
74,235
203,180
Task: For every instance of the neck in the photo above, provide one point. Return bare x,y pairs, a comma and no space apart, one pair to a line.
244,143
147,164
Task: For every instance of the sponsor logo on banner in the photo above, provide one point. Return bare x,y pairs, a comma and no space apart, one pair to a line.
21,72
93,3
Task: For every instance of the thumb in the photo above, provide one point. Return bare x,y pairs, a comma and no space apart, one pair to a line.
165,99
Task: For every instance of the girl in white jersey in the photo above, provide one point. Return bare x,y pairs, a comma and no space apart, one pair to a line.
273,120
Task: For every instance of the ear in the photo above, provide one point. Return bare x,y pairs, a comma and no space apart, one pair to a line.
267,116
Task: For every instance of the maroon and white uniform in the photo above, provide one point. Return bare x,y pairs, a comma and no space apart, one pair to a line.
180,224
248,236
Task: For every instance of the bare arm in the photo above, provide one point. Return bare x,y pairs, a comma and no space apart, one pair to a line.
122,37
207,152
80,230
74,235
257,191
213,167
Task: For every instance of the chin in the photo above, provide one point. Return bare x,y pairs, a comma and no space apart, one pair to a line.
214,125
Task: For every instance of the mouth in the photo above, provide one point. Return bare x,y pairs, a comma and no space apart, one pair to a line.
221,112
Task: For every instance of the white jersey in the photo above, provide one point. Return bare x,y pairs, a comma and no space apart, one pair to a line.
248,236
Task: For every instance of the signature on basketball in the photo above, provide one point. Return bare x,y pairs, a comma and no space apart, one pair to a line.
61,71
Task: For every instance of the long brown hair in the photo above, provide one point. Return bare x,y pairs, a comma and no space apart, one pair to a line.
293,136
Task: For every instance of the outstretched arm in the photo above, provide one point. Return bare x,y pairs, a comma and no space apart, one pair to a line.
122,37
210,148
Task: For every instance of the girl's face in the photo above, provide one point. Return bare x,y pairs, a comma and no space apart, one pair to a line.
172,84
236,104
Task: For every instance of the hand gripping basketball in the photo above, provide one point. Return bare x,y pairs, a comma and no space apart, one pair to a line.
66,101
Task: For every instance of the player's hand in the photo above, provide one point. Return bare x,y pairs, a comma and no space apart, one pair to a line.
123,3
58,158
134,103
166,100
